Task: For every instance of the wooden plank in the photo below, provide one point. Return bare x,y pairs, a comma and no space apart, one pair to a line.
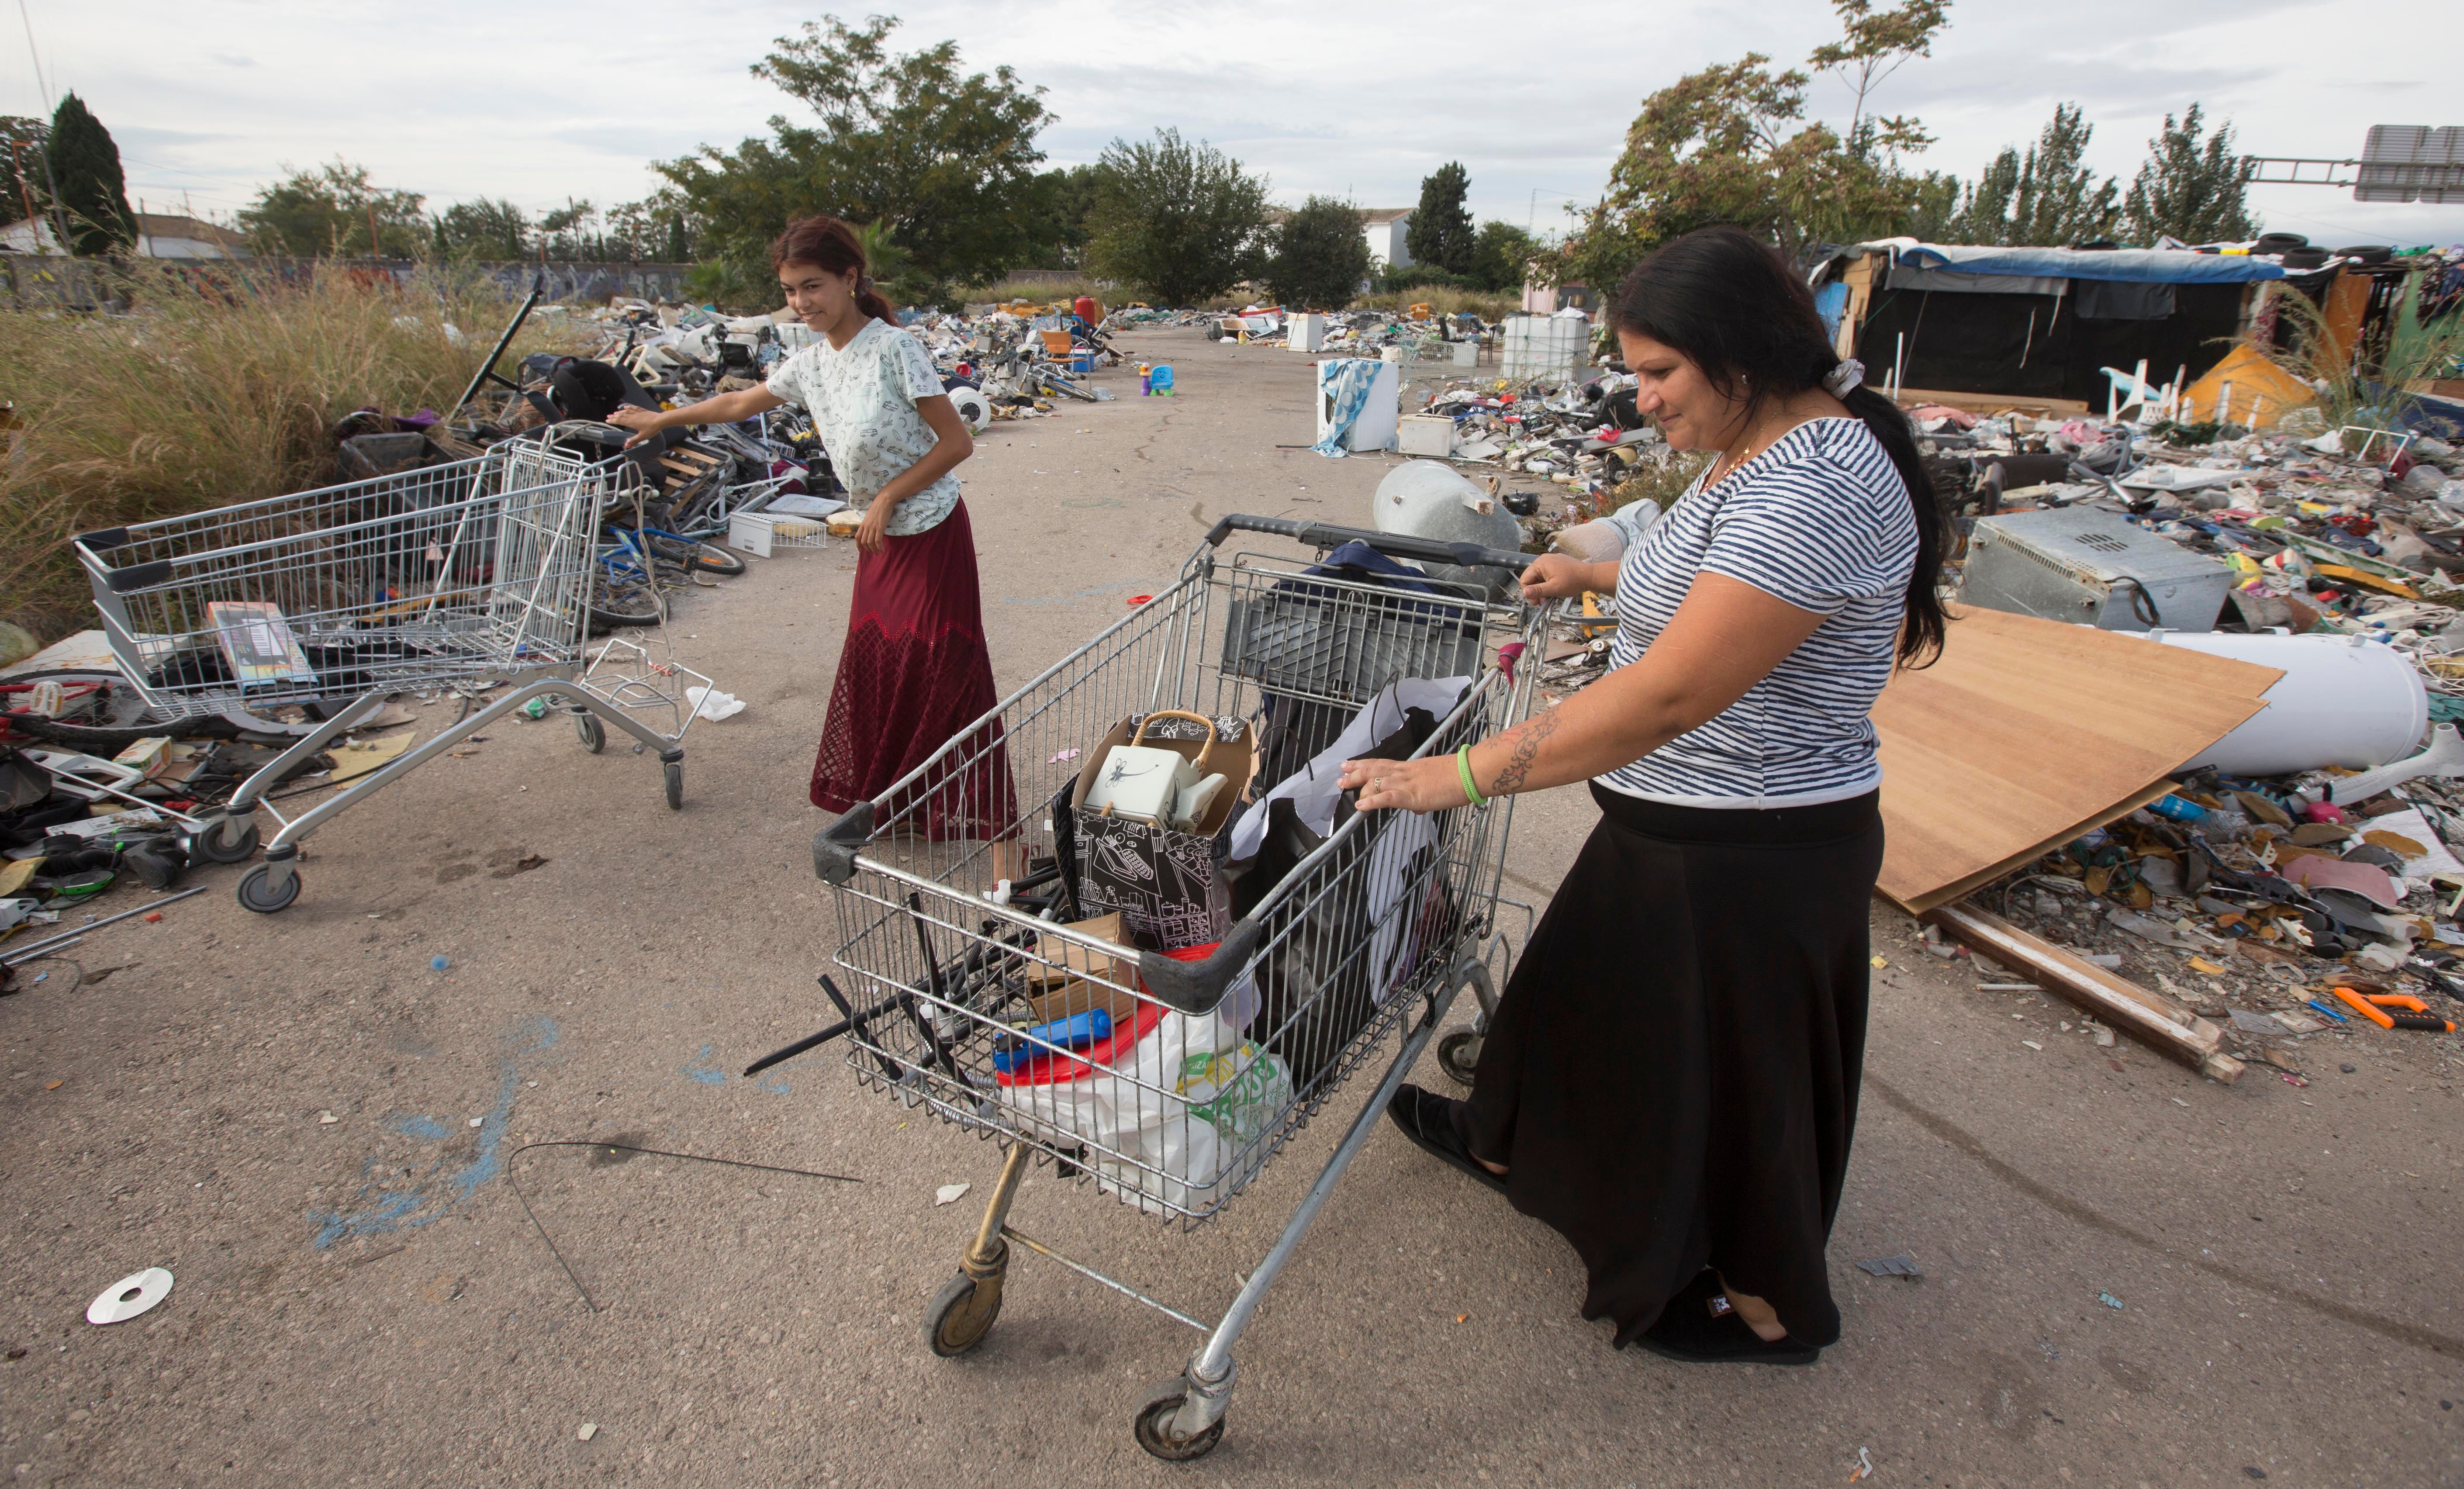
2151,1017
1991,403
2028,733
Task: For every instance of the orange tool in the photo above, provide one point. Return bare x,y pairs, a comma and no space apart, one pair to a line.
2373,1007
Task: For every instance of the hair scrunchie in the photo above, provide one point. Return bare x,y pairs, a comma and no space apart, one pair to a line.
1843,378
864,284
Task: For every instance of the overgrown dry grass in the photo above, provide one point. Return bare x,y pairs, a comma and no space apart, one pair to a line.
1044,291
2413,352
205,394
1445,302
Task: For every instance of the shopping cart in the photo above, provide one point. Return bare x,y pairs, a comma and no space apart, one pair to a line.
320,603
1215,1061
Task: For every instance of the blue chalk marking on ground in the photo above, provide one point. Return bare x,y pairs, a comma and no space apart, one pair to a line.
445,1182
776,1085
702,1072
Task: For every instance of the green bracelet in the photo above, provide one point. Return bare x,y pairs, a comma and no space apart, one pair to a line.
1463,768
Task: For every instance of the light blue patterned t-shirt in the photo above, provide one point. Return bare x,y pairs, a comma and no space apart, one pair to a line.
862,397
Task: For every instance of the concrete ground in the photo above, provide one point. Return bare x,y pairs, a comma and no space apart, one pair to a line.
2132,1276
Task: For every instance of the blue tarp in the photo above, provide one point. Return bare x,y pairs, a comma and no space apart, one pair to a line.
2136,266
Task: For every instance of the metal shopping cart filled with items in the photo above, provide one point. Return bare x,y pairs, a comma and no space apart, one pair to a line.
326,602
1169,1080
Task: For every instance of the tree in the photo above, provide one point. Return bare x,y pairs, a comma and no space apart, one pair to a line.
330,211
1177,221
1731,145
1873,46
484,229
1320,257
2188,189
1501,257
1061,201
2046,199
1727,145
1440,233
941,161
85,171
22,190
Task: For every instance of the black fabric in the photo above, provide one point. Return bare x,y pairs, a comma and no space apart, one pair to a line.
2119,300
2036,345
1316,989
1671,1077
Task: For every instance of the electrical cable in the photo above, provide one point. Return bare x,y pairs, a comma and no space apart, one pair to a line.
558,1252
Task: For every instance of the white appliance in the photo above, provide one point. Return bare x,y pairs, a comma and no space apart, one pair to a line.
1374,428
1308,332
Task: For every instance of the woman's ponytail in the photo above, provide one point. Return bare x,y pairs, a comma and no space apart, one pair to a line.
1733,307
873,302
1922,633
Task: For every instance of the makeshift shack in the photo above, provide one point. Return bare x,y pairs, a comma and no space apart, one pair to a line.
2042,324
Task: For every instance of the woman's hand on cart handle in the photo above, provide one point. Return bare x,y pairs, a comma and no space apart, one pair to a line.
1432,784
1557,576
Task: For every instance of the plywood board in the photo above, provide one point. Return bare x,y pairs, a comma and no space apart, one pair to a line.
2029,733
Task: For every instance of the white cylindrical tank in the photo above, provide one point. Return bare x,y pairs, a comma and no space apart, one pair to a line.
1427,498
2341,701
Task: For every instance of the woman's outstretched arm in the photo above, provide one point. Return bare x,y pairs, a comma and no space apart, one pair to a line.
1724,638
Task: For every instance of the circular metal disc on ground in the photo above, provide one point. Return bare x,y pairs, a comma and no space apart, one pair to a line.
129,1297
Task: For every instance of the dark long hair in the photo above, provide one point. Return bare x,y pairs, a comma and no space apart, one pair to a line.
1731,305
835,245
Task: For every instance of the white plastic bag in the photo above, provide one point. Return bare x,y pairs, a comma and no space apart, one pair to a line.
1164,1120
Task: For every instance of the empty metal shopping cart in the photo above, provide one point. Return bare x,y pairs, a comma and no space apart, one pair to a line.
324,601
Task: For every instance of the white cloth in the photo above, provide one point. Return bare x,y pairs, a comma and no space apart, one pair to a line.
863,399
1313,788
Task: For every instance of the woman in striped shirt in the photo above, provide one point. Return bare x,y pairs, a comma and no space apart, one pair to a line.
1671,1077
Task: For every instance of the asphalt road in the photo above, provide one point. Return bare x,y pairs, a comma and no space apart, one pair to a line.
2132,1276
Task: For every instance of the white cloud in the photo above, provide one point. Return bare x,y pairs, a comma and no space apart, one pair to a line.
470,100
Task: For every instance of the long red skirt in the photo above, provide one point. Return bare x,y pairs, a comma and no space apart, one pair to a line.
914,673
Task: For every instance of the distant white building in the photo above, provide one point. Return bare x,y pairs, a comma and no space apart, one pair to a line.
166,235
1385,227
159,236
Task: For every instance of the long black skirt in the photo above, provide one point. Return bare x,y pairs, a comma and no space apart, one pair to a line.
1671,1076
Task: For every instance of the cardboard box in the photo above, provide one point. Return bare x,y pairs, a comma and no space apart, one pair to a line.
1059,988
1164,884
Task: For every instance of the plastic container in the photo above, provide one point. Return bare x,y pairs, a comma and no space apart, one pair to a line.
1159,380
2343,700
1082,362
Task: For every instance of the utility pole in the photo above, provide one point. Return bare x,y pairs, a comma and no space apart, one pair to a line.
59,214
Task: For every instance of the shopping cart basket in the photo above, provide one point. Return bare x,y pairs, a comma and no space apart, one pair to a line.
327,601
1204,1065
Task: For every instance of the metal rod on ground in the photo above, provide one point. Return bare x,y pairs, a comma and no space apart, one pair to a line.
810,1041
29,952
2151,1017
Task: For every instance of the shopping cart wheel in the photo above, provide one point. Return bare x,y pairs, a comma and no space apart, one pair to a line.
206,845
1154,1425
676,773
587,728
1459,1055
255,894
962,1312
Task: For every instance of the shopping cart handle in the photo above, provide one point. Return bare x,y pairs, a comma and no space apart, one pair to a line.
834,847
1197,987
1324,536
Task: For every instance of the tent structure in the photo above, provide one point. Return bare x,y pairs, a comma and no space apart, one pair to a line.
2038,324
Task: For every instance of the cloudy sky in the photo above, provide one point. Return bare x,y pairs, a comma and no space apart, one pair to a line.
456,99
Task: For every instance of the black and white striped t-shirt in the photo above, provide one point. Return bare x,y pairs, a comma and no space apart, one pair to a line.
1821,520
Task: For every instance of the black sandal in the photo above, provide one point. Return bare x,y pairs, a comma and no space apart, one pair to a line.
1698,1327
1428,1121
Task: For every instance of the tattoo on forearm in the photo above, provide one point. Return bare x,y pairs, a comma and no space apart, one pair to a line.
1527,736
